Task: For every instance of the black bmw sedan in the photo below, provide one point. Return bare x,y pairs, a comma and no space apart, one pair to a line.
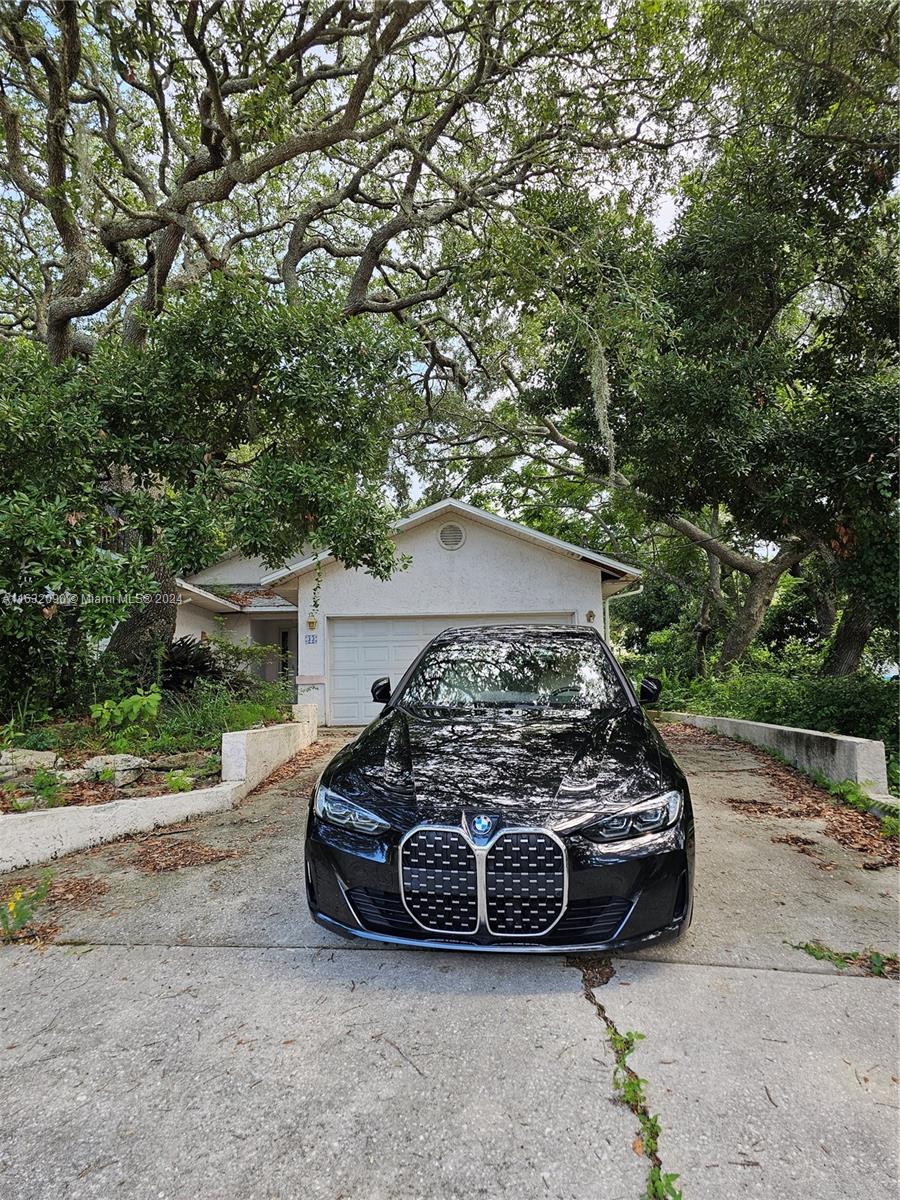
511,795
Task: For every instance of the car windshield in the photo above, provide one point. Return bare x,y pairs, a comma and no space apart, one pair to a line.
505,672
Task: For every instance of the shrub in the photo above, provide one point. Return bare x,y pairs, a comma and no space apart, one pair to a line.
198,719
195,719
186,661
859,705
140,708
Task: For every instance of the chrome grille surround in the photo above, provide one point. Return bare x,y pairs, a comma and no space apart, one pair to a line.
497,890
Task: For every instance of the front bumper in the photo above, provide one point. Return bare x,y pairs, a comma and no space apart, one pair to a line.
620,896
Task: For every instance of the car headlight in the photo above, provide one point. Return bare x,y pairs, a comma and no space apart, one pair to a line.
338,811
650,816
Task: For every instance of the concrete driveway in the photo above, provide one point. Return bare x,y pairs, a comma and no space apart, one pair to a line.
189,1034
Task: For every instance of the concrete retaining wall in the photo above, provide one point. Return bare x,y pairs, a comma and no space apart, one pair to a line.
248,756
829,754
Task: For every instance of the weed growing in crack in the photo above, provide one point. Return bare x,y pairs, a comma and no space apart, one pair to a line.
596,972
871,962
19,907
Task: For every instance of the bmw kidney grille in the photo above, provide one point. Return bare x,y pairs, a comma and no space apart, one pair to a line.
525,884
514,887
440,884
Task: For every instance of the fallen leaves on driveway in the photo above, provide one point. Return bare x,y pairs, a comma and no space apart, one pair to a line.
799,797
37,935
158,855
78,891
808,846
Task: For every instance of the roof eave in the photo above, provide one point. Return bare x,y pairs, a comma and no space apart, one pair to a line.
204,599
615,569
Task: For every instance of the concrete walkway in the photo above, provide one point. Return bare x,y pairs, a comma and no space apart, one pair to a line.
191,1035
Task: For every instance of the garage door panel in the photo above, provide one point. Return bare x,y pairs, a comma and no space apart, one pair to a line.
345,686
347,657
363,648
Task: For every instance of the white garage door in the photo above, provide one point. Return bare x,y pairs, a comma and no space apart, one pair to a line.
364,648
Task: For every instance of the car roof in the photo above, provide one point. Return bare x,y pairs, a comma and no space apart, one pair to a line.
517,633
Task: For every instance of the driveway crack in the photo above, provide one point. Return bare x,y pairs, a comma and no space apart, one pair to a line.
596,972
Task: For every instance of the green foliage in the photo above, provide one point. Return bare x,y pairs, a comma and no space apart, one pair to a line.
139,709
661,1185
178,781
188,721
859,705
198,719
37,739
185,661
17,909
47,787
893,773
630,1086
871,962
245,423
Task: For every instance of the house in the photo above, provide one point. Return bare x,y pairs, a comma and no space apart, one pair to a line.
335,630
229,598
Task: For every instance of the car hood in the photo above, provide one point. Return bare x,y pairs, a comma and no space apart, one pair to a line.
546,766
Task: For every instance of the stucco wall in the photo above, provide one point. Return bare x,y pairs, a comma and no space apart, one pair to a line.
192,620
493,572
232,570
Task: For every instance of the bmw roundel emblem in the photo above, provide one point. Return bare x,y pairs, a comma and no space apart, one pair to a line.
482,824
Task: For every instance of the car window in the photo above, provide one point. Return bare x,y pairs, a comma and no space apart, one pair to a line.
507,673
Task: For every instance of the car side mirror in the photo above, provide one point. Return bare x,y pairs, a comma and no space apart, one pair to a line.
651,688
381,690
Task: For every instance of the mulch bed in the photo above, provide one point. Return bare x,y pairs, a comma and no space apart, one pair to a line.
156,856
90,792
850,828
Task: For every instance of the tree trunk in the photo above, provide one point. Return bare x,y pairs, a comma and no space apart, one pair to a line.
750,615
702,629
826,614
139,641
853,632
67,683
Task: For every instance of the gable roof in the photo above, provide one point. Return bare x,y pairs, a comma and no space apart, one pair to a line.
609,567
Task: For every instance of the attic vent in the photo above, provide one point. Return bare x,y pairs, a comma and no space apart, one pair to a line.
451,536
